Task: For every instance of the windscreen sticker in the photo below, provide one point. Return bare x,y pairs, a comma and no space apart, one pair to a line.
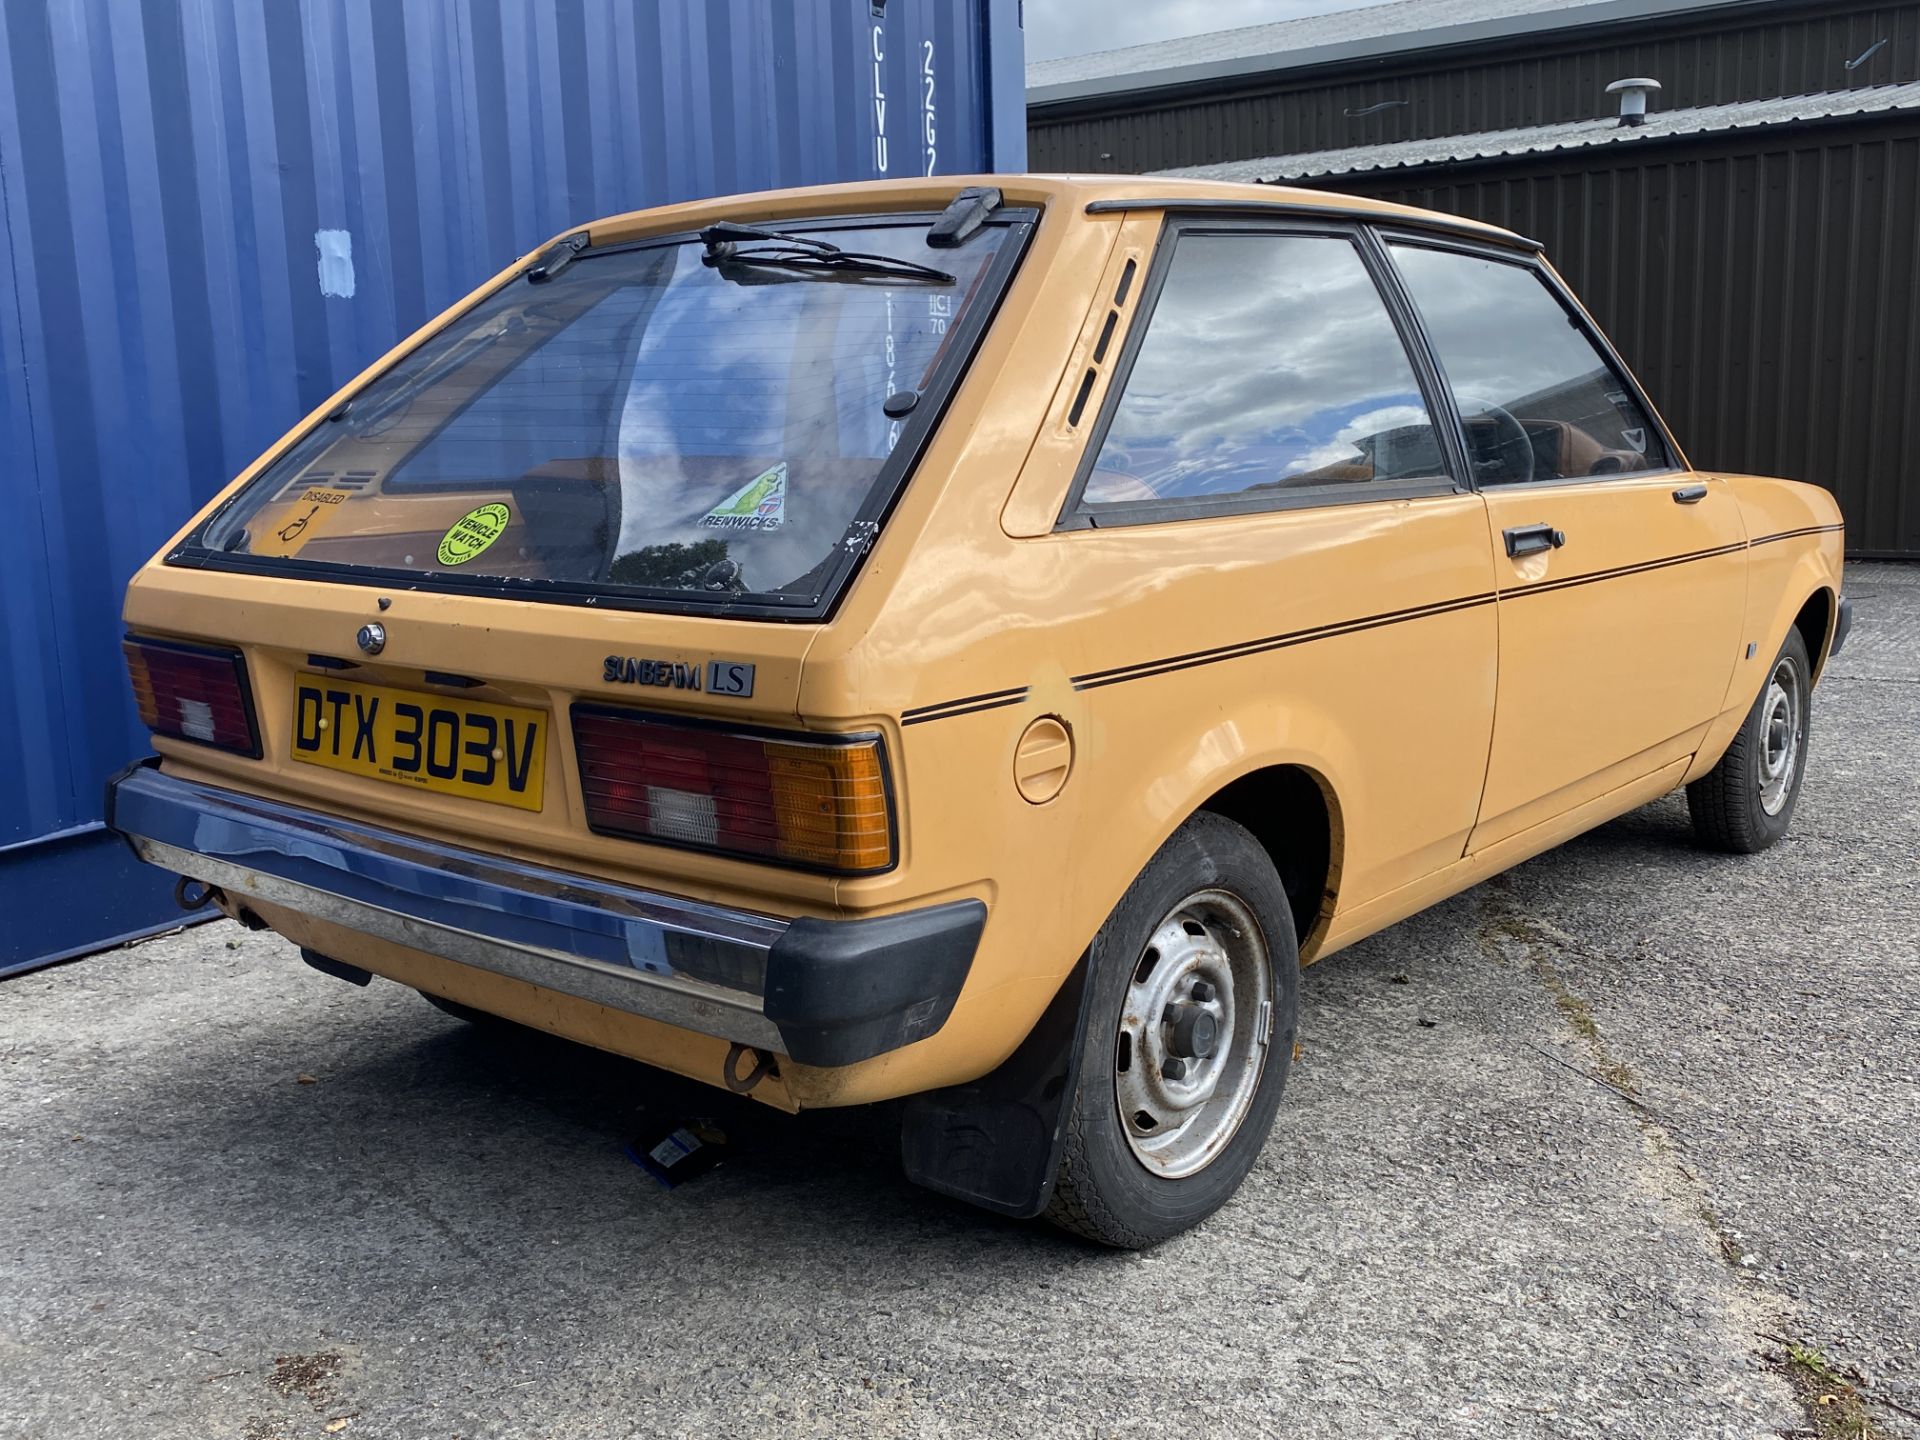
760,504
472,533
298,521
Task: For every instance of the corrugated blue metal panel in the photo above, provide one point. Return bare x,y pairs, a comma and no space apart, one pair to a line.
216,210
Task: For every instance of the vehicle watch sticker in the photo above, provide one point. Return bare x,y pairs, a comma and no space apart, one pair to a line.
472,533
299,520
760,504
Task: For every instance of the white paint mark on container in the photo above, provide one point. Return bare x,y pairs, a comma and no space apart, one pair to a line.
336,262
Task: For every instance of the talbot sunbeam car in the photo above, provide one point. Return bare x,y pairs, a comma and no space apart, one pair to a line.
965,642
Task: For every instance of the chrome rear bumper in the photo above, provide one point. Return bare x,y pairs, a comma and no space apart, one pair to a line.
825,992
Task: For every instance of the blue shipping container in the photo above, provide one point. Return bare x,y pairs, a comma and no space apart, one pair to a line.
215,211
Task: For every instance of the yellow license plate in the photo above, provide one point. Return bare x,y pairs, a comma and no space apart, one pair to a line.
495,753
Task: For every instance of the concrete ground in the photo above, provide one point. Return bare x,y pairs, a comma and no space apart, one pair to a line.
1580,1153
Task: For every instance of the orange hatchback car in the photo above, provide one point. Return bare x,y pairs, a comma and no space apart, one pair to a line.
965,641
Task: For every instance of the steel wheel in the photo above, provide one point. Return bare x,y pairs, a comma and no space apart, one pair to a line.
1783,710
1150,1148
1193,1034
1746,802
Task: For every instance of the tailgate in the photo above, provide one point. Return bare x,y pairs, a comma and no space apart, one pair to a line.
459,726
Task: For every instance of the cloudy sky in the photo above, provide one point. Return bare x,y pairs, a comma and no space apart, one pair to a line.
1073,27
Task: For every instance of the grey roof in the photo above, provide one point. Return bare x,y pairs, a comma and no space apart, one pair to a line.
1572,135
1406,25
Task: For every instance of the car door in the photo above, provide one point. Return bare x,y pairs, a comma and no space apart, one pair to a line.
1283,562
1621,574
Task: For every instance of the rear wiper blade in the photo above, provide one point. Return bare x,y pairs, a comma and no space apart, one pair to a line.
840,262
803,252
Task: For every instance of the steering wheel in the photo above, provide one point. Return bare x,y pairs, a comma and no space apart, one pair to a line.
1517,440
723,575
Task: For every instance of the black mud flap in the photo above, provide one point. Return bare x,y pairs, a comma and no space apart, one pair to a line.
995,1142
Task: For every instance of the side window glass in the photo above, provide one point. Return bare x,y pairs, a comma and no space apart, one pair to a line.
1538,400
1270,366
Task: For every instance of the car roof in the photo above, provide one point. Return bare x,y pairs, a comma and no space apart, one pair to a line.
1083,193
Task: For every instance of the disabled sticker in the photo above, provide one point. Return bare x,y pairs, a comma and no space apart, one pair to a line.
760,504
298,521
472,533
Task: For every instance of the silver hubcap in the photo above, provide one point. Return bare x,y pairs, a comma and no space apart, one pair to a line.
1782,721
1193,1034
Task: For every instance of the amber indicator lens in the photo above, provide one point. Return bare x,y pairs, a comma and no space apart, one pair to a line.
821,804
194,692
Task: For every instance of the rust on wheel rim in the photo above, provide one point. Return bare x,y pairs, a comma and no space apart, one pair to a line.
1193,1033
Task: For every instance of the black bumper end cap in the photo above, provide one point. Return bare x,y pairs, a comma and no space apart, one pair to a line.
1842,627
145,762
843,991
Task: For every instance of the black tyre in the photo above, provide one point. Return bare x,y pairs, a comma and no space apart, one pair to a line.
1196,981
1745,803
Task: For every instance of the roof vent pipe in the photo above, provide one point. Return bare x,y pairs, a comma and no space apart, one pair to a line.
1633,98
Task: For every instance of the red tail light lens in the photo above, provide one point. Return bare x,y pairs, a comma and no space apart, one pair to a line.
194,692
796,800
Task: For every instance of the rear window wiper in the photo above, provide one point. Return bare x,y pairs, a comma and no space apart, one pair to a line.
804,253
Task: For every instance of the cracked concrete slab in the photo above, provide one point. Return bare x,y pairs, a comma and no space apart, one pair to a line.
1640,1063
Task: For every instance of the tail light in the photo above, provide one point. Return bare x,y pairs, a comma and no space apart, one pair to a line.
194,692
810,801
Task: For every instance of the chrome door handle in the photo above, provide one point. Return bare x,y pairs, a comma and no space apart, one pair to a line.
1689,494
1532,539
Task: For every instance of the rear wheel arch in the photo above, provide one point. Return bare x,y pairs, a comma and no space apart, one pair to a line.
1293,812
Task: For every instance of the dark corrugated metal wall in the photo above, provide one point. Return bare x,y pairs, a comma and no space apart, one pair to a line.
173,177
1707,62
1765,286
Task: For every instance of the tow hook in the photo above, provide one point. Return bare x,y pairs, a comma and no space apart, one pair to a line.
193,901
189,900
730,1071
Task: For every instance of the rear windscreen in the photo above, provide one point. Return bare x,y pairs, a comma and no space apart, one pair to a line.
654,421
